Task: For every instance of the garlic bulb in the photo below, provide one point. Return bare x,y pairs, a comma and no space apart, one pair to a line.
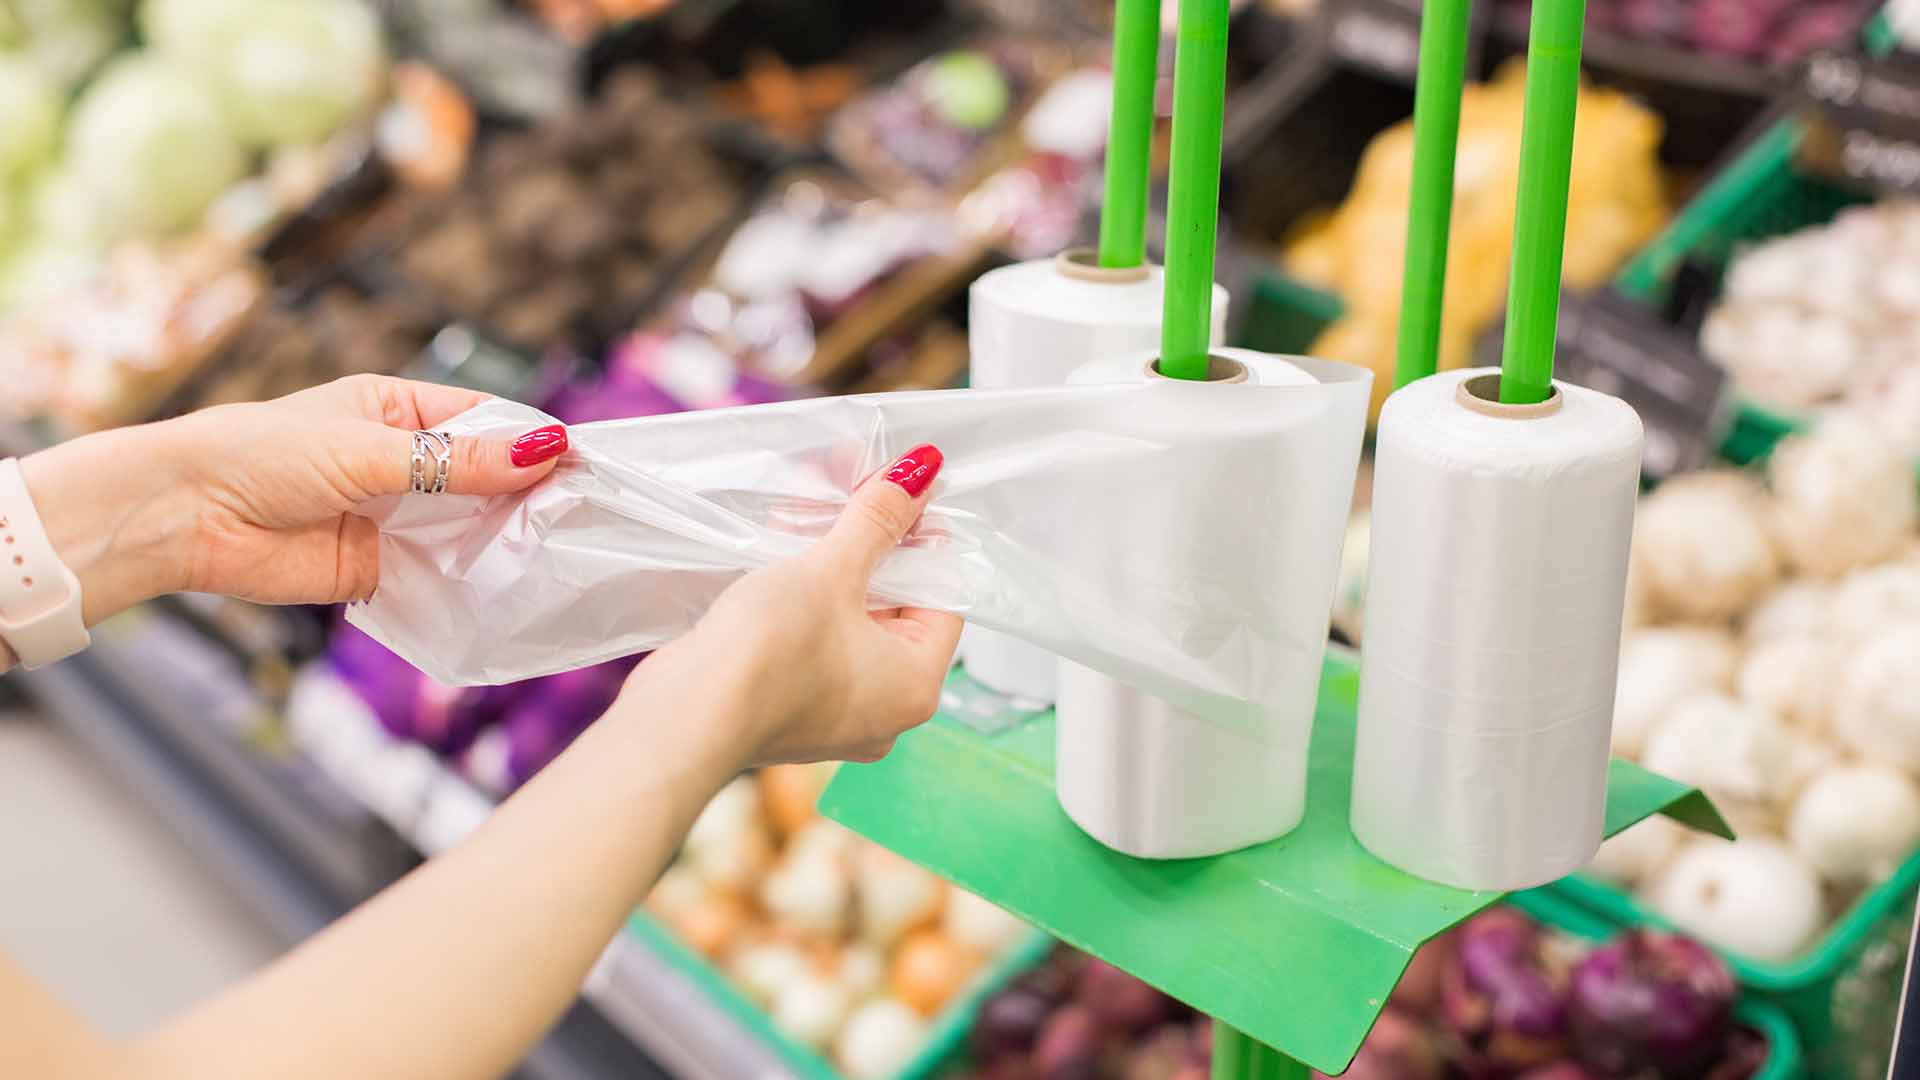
1631,857
1706,553
1738,753
763,968
1791,677
879,1039
810,1009
810,894
1878,709
1856,824
1754,897
1658,668
1843,498
1798,607
728,845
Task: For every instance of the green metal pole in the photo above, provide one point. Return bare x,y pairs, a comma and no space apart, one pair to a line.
1193,187
1136,64
1238,1057
1436,133
1540,215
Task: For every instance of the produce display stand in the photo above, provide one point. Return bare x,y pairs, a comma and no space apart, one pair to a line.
1293,944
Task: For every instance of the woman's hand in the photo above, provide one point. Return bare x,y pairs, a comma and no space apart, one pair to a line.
816,674
258,500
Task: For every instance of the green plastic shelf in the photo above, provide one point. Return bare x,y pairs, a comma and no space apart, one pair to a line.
1296,942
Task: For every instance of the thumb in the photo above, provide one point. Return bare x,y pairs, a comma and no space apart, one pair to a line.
884,508
477,466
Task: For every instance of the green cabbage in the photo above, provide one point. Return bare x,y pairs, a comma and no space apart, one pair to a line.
284,71
149,147
29,116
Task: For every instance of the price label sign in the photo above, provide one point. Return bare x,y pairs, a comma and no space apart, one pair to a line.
1862,119
1382,36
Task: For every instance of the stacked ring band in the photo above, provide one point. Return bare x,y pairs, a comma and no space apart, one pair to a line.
439,446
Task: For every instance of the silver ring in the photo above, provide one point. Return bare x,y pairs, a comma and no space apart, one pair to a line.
439,446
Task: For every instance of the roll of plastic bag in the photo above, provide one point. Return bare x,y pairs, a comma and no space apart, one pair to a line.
645,521
1031,325
1148,777
1494,603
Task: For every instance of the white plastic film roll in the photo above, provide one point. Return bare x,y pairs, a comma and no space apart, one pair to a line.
1152,780
1031,325
1498,579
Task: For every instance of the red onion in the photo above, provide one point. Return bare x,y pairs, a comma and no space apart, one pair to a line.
1009,1023
1069,1047
1498,997
1651,1002
1563,1070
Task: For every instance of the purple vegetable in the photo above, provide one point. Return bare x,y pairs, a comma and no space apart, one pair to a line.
1654,20
1814,27
1736,28
1651,1002
1398,1048
1119,999
1069,1047
388,684
1009,1023
1745,1056
548,716
447,718
1564,1070
1507,1009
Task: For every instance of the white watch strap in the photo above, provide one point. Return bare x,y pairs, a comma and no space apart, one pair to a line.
39,597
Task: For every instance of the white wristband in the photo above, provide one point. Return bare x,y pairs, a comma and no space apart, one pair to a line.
40,616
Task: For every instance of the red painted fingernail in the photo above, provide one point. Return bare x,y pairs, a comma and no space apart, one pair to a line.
538,445
917,468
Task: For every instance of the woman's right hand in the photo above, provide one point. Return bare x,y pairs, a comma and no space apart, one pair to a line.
821,677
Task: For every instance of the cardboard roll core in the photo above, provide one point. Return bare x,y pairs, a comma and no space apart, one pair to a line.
1482,394
1084,264
1220,369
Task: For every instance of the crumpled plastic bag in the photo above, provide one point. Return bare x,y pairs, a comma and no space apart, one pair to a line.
1182,537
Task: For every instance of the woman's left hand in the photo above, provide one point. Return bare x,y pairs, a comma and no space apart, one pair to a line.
258,500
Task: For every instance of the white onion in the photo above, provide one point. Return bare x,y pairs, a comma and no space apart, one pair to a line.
1753,897
1658,668
1857,823
895,895
1706,552
1736,752
1637,853
1795,608
764,968
1878,709
728,844
1791,677
1876,597
1843,498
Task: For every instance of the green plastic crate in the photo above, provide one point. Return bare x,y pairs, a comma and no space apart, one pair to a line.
1784,1060
1759,195
1803,988
944,1037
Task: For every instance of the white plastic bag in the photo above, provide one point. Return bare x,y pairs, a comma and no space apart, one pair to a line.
645,521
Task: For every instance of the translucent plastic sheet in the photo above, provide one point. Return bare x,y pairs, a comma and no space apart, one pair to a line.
1235,489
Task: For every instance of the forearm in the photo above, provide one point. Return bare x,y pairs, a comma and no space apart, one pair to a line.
111,505
459,969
